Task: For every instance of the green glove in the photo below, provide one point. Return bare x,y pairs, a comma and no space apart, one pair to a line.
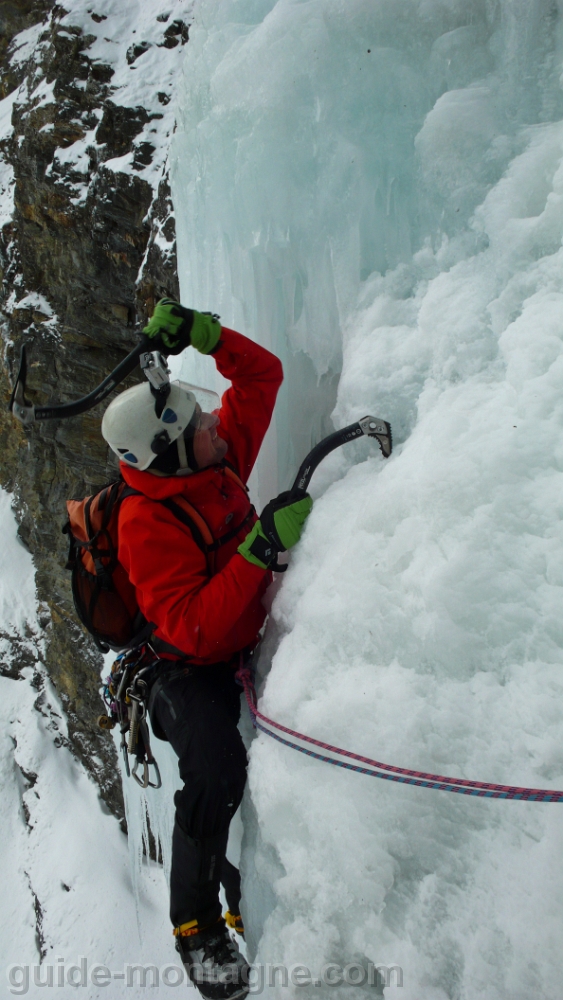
256,548
278,529
177,327
205,332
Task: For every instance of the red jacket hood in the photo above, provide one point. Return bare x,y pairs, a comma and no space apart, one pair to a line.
162,487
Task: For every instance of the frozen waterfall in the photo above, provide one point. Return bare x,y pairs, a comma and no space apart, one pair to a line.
374,189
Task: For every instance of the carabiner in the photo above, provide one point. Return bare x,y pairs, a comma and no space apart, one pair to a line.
146,783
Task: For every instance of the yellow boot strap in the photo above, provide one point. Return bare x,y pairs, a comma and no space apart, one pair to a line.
235,921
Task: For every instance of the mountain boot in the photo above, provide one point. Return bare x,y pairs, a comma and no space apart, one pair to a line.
212,960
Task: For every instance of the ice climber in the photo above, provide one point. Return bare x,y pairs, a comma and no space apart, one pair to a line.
204,623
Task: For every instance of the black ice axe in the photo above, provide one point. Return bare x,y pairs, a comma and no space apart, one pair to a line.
28,414
373,427
153,364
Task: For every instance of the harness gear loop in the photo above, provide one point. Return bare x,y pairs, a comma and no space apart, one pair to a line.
191,928
126,695
186,930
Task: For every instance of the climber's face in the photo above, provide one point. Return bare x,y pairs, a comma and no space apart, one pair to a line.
209,448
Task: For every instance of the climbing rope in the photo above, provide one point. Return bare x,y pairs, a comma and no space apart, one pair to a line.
388,772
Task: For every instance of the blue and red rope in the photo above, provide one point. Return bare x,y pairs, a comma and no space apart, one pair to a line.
389,772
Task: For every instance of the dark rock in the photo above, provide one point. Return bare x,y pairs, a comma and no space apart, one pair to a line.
178,28
118,128
136,50
16,16
143,154
84,239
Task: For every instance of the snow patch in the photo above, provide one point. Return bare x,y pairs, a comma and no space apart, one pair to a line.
145,81
7,180
37,302
24,44
64,867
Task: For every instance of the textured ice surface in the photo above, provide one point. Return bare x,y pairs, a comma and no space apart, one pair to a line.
374,188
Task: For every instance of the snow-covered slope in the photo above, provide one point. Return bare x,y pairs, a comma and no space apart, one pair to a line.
64,866
139,43
67,886
376,187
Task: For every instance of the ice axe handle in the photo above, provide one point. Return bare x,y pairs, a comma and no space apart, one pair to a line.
28,414
19,405
369,426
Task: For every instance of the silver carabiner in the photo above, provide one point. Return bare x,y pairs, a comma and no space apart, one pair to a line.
158,783
146,783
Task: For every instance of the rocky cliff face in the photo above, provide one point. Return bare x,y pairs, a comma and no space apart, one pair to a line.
86,247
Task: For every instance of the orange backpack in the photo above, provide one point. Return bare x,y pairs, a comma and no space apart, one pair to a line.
104,597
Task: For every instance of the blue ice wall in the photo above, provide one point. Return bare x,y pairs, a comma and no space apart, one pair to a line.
304,163
374,188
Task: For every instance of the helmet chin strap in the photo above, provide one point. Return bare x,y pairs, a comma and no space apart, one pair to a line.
186,455
181,446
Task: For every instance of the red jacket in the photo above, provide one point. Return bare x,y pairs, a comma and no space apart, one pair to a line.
208,619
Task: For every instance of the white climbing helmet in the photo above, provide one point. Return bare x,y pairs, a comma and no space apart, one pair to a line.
137,435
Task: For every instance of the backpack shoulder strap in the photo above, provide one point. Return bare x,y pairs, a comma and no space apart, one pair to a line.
188,515
112,496
234,476
184,511
129,491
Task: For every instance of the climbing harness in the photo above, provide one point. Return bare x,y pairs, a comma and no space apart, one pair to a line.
126,694
388,772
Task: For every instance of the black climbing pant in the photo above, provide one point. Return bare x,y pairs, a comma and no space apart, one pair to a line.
197,709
